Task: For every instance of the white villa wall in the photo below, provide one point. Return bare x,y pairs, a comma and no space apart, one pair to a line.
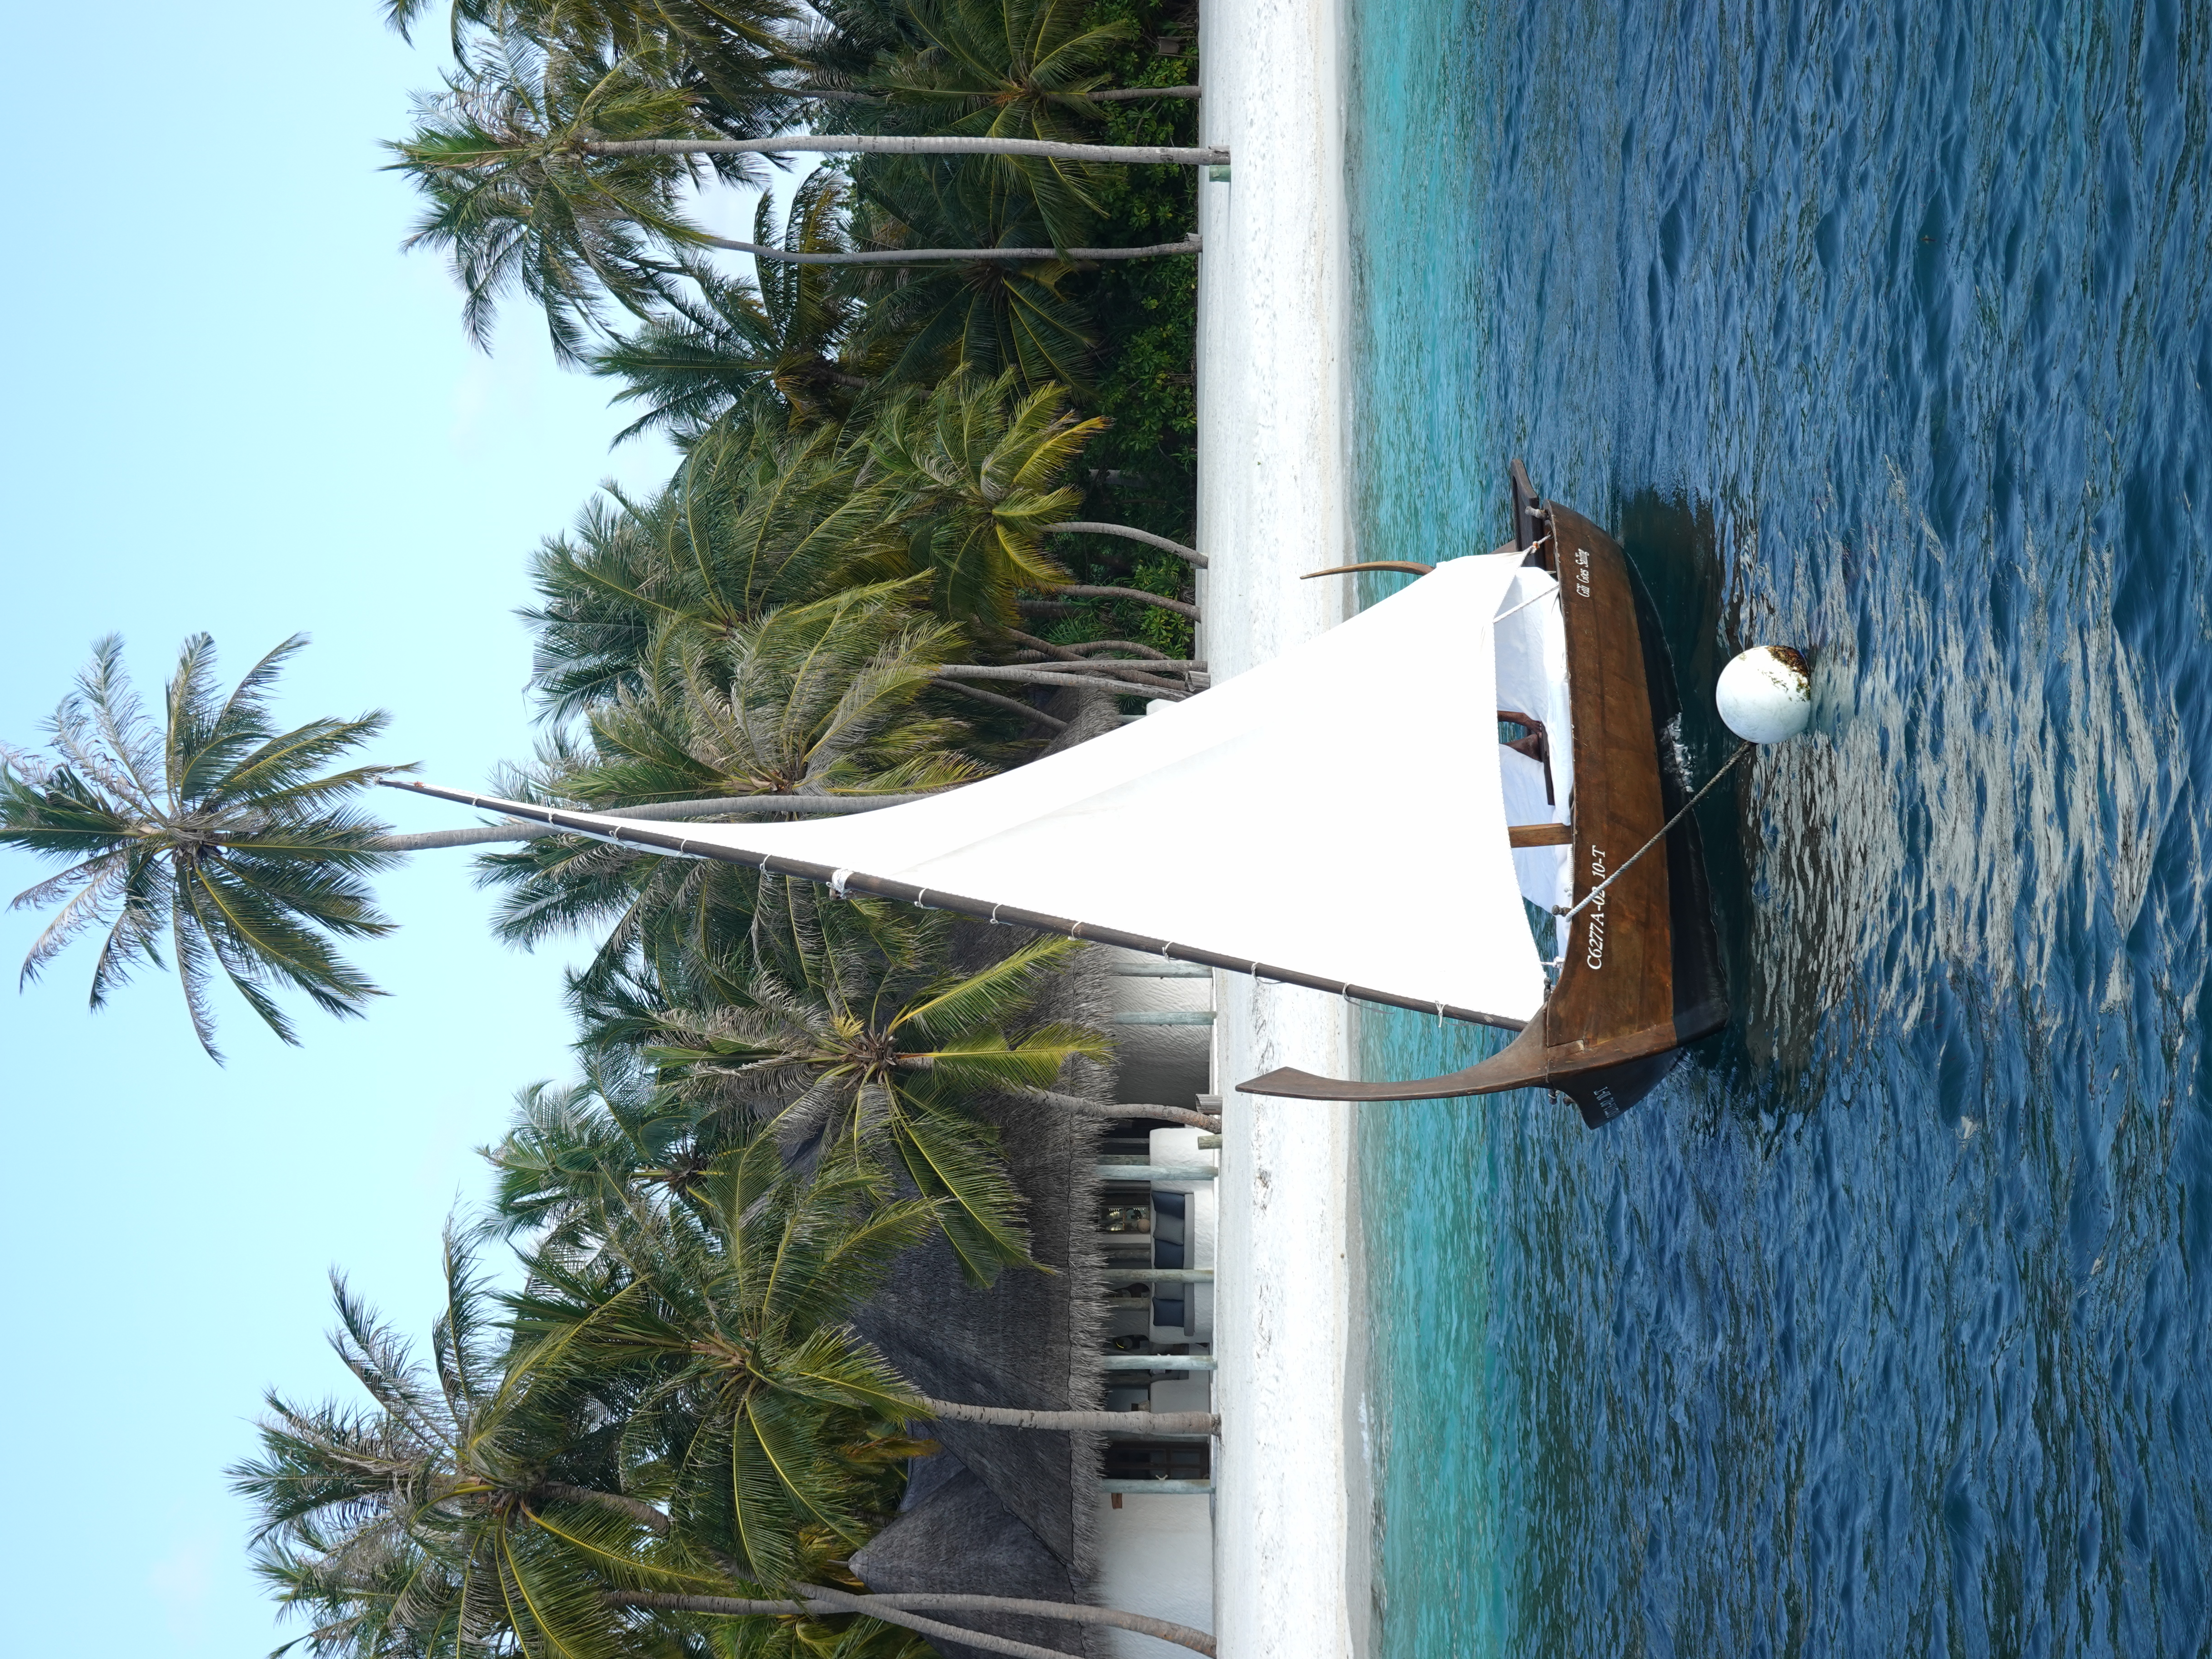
1156,1553
1165,1065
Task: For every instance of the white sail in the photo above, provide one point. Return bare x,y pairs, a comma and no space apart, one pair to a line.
1336,814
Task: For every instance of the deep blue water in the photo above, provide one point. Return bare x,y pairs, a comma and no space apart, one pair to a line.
1884,330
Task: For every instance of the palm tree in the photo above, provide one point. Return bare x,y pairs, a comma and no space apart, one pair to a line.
813,700
435,1523
994,312
722,1316
726,1301
758,516
880,1071
1007,68
514,206
981,476
217,829
789,340
605,1173
560,170
729,52
593,620
578,1151
478,1507
705,26
679,1426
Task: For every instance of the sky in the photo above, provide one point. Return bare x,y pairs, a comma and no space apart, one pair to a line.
234,405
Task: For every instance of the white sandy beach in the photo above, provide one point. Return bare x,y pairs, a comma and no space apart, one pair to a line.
1290,1530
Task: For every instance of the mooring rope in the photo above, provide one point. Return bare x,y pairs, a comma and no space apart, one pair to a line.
1570,914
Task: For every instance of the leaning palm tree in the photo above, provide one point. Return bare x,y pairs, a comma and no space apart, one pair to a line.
579,1152
678,1404
814,699
1008,307
722,1316
480,1506
823,699
757,517
516,208
603,1158
731,52
1008,68
981,476
561,172
215,832
594,616
463,1510
881,1072
791,340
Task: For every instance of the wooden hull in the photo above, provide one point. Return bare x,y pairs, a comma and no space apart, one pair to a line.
1642,973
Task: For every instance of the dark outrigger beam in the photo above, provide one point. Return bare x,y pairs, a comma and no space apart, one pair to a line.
1642,974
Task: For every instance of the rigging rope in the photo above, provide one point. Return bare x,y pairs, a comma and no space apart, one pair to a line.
1570,914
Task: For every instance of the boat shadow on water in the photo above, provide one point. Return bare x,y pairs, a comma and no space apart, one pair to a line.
1672,544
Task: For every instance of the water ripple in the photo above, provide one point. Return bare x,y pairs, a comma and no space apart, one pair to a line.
1880,330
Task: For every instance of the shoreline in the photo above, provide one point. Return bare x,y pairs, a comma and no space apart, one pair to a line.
1292,1532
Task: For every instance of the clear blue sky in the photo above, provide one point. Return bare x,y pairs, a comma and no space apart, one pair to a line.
234,405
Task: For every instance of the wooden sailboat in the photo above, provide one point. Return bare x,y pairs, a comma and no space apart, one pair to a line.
1639,972
1148,838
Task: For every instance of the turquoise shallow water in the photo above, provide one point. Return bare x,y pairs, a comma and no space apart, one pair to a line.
1883,1328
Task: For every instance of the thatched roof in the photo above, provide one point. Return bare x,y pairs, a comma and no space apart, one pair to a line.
954,1535
1033,1338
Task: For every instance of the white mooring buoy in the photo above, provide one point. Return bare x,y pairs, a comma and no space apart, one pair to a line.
1766,694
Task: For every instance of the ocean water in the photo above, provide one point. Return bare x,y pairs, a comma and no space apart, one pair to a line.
1886,1326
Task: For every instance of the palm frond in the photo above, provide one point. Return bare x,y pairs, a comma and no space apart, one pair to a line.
952,1159
992,994
147,892
235,837
517,206
102,729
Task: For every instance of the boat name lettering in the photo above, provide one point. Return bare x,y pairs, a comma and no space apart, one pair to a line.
1594,957
1582,572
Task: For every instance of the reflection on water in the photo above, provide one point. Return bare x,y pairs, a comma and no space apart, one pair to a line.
1883,1328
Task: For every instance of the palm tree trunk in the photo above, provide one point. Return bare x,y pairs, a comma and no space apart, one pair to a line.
1009,1416
1077,527
854,143
1115,1108
1080,653
807,806
820,1604
893,1610
1013,704
636,1507
890,1610
430,840
1115,96
1134,683
1136,593
1075,662
916,256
